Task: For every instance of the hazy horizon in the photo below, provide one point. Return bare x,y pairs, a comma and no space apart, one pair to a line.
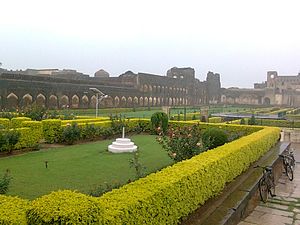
240,40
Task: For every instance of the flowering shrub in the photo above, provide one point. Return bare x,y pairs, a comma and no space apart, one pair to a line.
70,134
182,142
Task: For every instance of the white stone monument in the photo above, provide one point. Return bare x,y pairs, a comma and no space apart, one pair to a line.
122,145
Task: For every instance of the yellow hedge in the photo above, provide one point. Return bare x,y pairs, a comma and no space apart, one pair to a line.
64,207
26,139
17,121
13,210
51,130
88,120
4,123
215,120
36,128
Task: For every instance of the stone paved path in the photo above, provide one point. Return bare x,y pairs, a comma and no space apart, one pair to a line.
284,209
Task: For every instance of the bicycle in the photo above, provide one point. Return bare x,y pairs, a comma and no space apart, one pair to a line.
289,164
266,183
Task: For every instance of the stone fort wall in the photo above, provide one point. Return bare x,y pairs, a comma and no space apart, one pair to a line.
53,90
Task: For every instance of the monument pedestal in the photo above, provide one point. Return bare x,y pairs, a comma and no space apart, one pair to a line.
122,145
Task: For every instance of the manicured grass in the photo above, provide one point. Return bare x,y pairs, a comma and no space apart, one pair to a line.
80,167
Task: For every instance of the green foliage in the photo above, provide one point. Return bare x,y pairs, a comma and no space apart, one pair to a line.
182,142
4,123
13,210
8,140
103,188
27,140
36,128
159,120
52,130
252,120
4,182
70,134
137,165
64,207
214,137
35,112
242,122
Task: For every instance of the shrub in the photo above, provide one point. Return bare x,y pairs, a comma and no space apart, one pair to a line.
17,121
252,120
103,188
182,142
214,137
160,119
36,128
70,134
4,182
35,112
4,123
64,207
27,140
8,140
13,210
52,130
215,120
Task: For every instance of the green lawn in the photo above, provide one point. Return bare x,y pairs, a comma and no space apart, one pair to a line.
79,167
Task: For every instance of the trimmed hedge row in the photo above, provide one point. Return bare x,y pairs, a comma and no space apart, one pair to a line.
4,123
87,120
13,210
215,120
17,121
160,198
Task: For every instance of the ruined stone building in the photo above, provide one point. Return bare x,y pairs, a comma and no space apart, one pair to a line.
276,90
55,88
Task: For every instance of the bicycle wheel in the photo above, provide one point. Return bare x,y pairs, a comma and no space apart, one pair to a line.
263,189
289,172
271,185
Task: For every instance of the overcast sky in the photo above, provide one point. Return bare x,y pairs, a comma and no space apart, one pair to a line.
239,39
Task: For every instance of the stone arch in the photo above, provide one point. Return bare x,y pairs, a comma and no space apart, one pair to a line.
141,101
158,101
154,89
108,101
27,100
177,101
150,88
41,100
170,101
146,101
12,101
150,101
75,101
53,104
129,101
154,101
123,101
267,101
135,100
145,88
64,101
117,101
85,101
158,89
223,98
93,101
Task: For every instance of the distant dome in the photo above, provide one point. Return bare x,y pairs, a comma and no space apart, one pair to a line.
101,73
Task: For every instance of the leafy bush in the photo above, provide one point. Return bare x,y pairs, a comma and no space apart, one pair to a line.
8,140
35,112
52,130
13,210
252,120
64,207
214,137
17,121
160,120
182,142
137,165
4,182
70,134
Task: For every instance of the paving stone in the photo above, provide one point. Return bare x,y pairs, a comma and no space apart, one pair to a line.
297,222
269,219
245,223
277,206
274,211
290,199
296,210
